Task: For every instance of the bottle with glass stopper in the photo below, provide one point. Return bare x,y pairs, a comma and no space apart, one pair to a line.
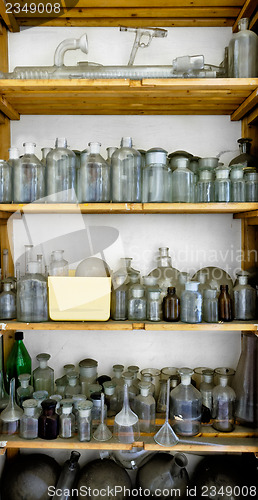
77,399
88,374
43,376
29,420
126,173
61,174
58,265
137,304
205,187
237,184
19,360
222,184
145,406
7,302
25,391
244,300
206,390
147,377
28,176
210,306
95,178
126,424
73,387
68,477
110,398
185,406
182,182
40,396
84,422
67,421
191,303
48,420
6,182
134,370
223,412
10,416
243,52
166,274
153,306
32,296
156,187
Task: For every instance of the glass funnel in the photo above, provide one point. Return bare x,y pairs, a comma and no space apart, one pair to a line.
4,398
102,433
126,424
10,416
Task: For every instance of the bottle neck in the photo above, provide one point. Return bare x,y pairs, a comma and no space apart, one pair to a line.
43,364
126,142
186,379
61,142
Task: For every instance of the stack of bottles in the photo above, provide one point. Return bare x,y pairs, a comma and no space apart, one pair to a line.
127,175
81,401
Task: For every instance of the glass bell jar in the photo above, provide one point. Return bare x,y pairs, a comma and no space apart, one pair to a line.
156,186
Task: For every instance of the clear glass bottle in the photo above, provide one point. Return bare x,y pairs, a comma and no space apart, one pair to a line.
210,306
77,399
110,150
44,152
28,176
225,304
6,182
182,182
244,159
191,303
242,52
18,361
244,300
61,174
96,410
237,184
206,390
84,423
166,274
170,305
48,420
153,306
222,185
67,422
88,374
32,297
126,424
10,416
73,387
7,302
185,406
43,376
94,177
58,265
119,299
156,182
147,377
25,391
144,407
137,304
126,173
29,420
205,187
110,398
251,187
224,398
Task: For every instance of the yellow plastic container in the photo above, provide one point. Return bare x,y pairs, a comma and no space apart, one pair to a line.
79,299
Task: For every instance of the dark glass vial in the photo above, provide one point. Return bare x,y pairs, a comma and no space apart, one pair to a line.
171,305
225,304
48,420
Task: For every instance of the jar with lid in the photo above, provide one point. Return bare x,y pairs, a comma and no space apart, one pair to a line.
206,390
96,410
43,376
225,304
67,422
61,174
29,420
84,422
28,176
6,182
170,305
205,187
119,299
74,386
94,177
137,306
110,398
185,406
242,52
25,391
237,184
182,182
166,274
126,173
88,374
153,306
48,420
191,303
156,185
144,407
32,297
251,186
245,159
210,306
222,185
244,300
224,398
7,302
58,265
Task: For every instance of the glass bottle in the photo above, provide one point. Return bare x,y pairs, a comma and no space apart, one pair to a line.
210,306
126,173
185,406
147,377
44,152
170,305
96,410
224,371
198,377
156,183
137,304
182,182
28,176
191,303
77,399
126,424
94,177
117,378
43,376
66,422
244,159
206,390
119,299
242,52
110,398
153,306
6,182
245,382
10,416
144,408
134,370
244,300
150,283
224,398
222,185
155,378
125,270
237,184
58,265
110,152
32,297
84,423
251,186
40,396
88,374
29,420
166,274
134,279
205,187
73,387
68,478
25,391
7,302
18,361
61,174
225,304
48,420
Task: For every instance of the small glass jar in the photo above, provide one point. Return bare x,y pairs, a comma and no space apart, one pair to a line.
119,299
110,398
88,374
6,182
205,187
222,185
84,422
224,398
7,302
244,300
25,391
29,420
48,420
156,187
182,182
237,184
191,303
137,304
94,181
170,305
43,376
153,306
126,173
73,387
144,408
225,304
67,422
96,410
58,265
210,306
185,406
251,187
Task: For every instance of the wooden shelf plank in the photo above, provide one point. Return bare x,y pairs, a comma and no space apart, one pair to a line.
8,19
247,11
201,327
254,23
249,104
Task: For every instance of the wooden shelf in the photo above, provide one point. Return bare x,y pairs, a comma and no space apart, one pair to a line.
221,96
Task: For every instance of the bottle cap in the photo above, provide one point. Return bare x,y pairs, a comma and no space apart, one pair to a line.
208,163
13,153
94,147
156,156
88,363
137,291
48,403
224,287
181,162
29,403
192,286
57,254
43,356
118,368
133,369
69,367
149,280
29,148
128,376
243,280
61,142
154,294
67,408
126,142
19,336
171,290
56,397
109,388
206,175
237,173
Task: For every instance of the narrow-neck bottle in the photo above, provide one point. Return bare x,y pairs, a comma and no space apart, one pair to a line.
68,477
67,422
170,305
58,265
61,174
28,176
94,177
244,300
222,185
167,274
85,421
210,306
119,299
73,387
223,412
137,304
185,406
126,173
153,306
110,398
144,407
242,52
225,304
43,376
19,360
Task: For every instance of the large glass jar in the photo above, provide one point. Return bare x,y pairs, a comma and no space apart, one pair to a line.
251,186
43,375
61,174
156,185
28,176
185,406
244,159
32,298
144,407
244,300
58,265
166,274
210,306
7,302
237,184
6,182
242,52
222,185
137,304
126,173
191,303
94,177
48,420
224,398
182,182
119,299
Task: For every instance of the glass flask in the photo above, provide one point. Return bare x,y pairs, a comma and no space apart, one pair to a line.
182,182
251,186
61,174
237,184
102,433
126,424
185,406
119,299
32,297
73,387
191,303
242,52
244,300
155,378
135,370
84,422
18,361
6,182
67,422
144,407
96,409
110,398
128,378
206,389
94,177
210,306
224,398
222,185
28,177
10,416
48,420
245,382
225,304
166,274
4,398
58,265
43,376
126,173
68,478
7,302
88,374
44,152
25,390
110,152
205,187
245,159
170,305
156,182
29,420
153,306
137,304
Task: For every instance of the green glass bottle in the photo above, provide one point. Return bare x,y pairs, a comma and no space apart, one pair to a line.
19,360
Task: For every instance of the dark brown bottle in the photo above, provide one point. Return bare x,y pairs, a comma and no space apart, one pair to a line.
171,305
225,304
49,420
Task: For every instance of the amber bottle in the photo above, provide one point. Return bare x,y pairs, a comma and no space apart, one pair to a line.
171,305
225,304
